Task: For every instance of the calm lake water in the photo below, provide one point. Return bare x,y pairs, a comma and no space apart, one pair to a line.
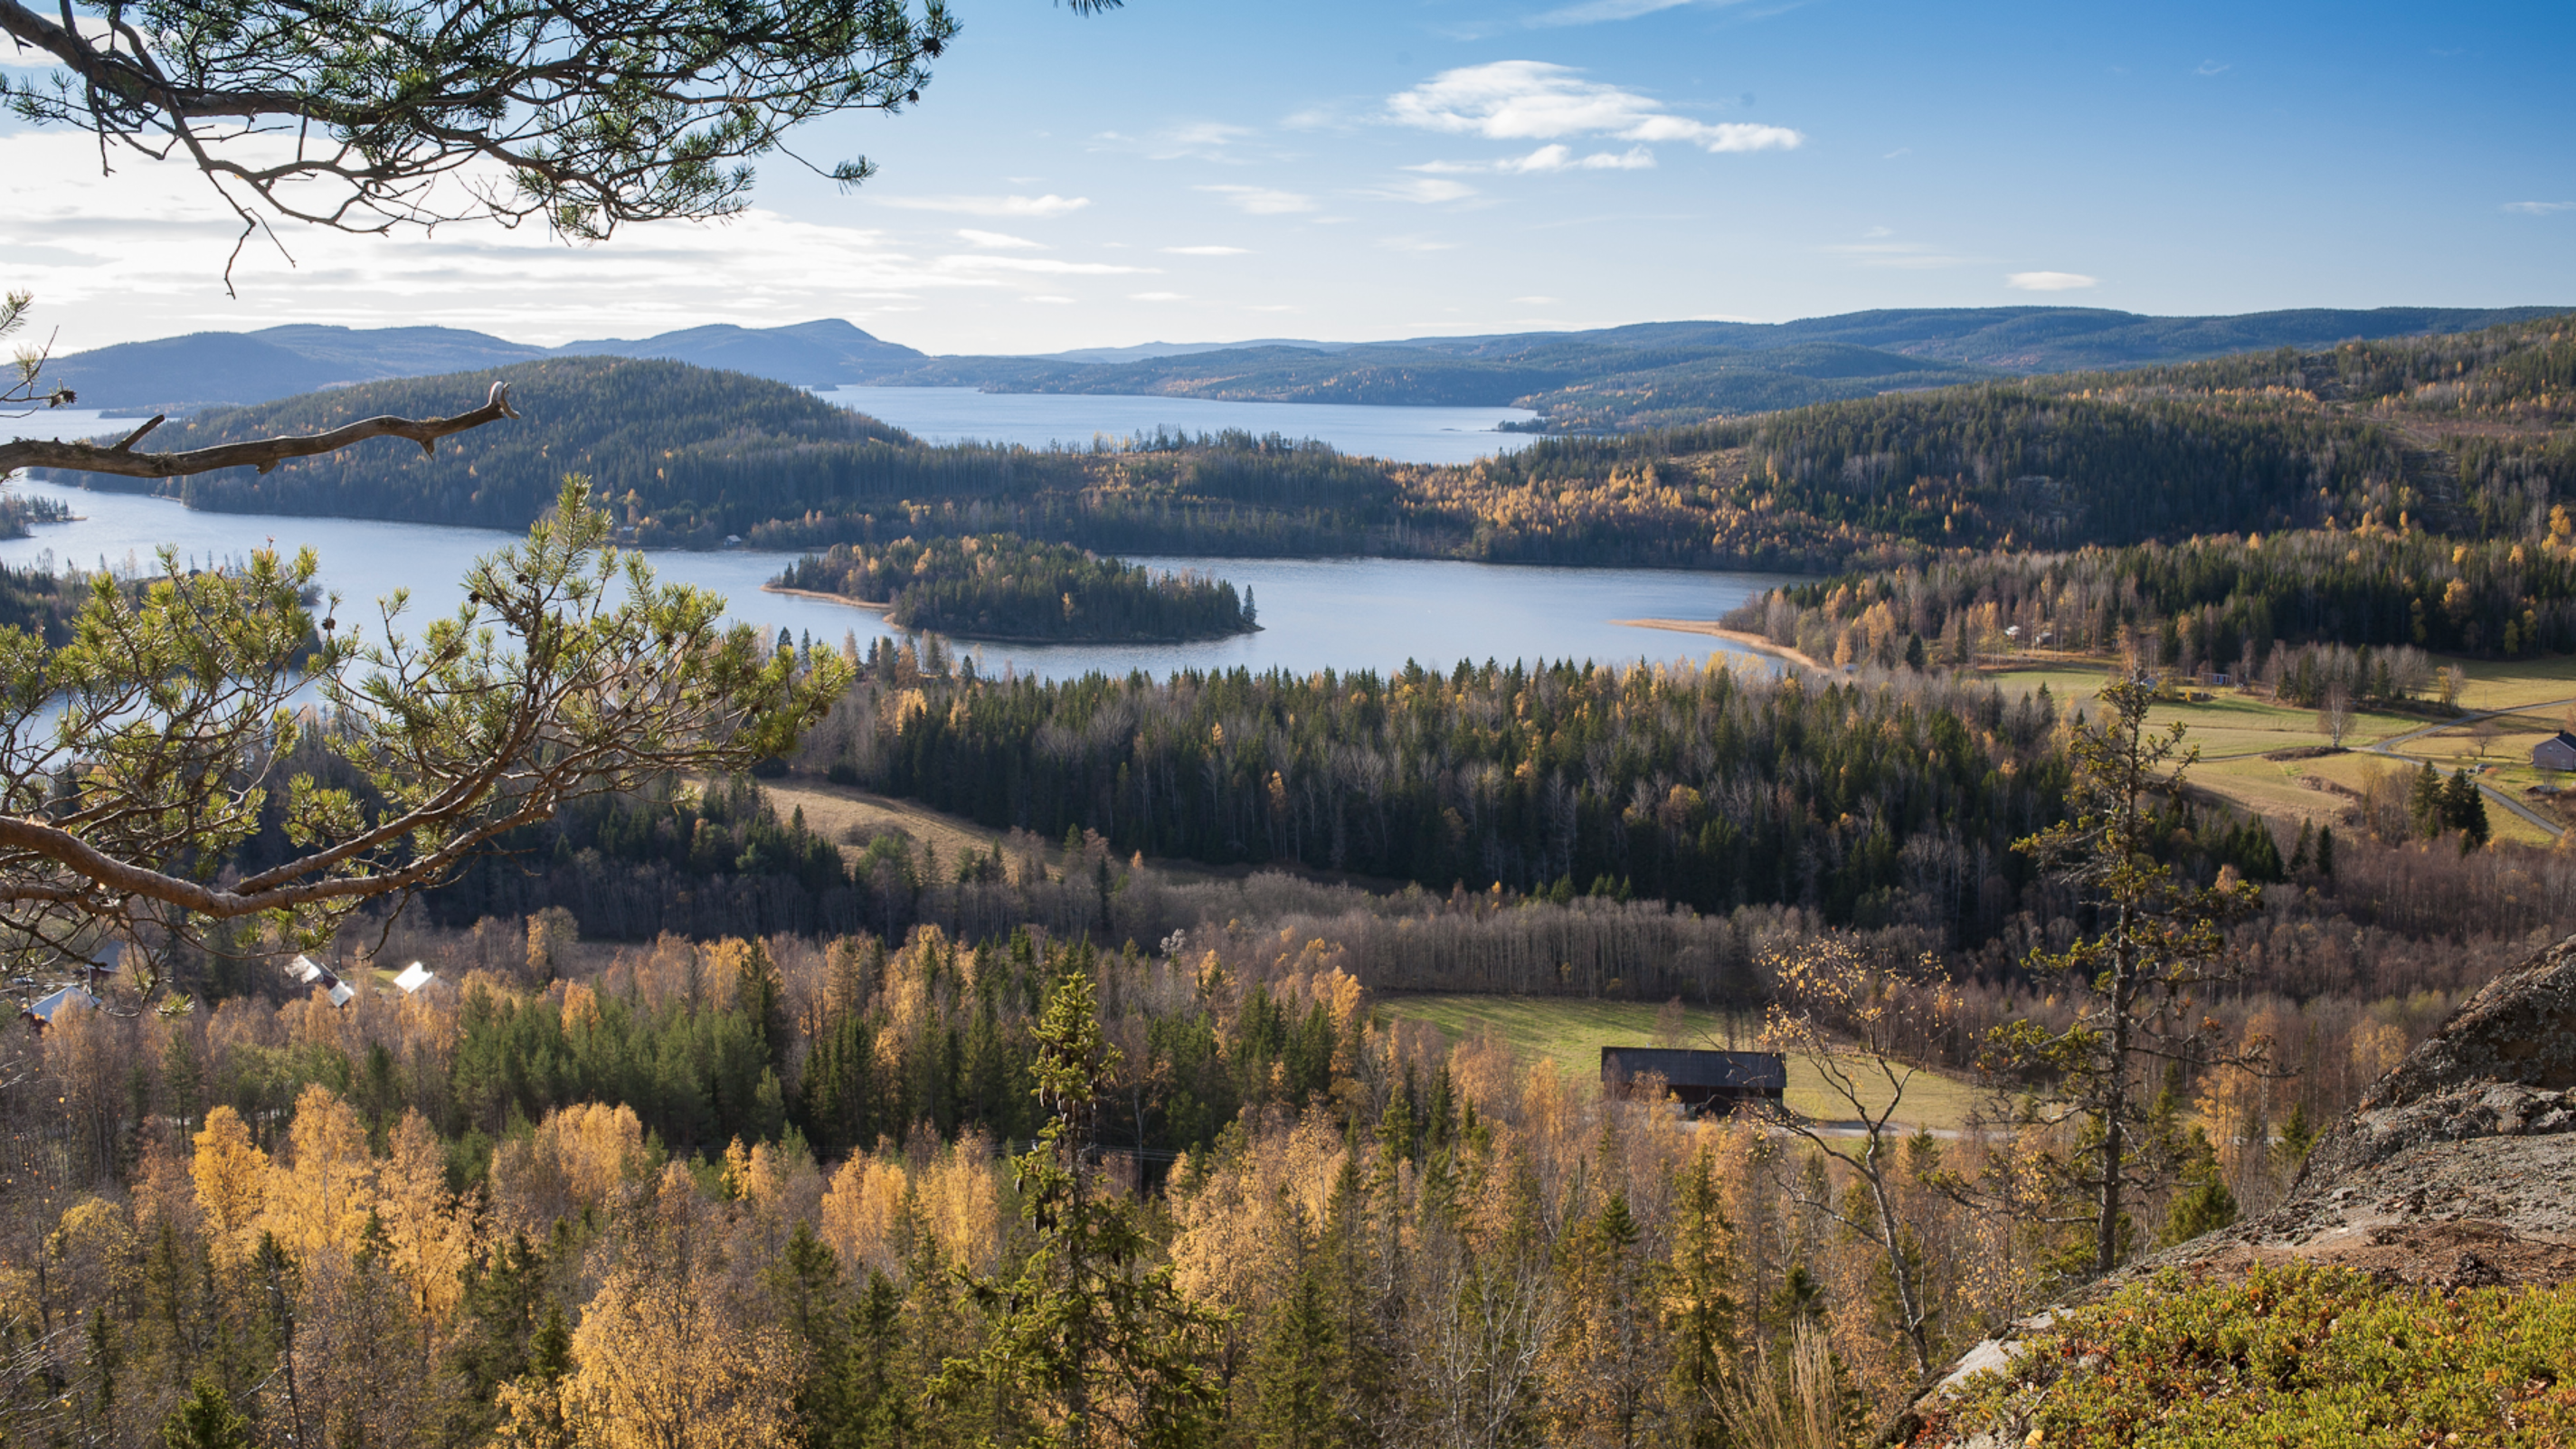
1036,420
1315,613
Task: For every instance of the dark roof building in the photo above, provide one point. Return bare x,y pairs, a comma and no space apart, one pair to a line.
1698,1079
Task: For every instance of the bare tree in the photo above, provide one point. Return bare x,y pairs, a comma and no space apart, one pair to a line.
1848,1019
2334,714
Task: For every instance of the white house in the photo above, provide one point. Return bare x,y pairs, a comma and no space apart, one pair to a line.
414,977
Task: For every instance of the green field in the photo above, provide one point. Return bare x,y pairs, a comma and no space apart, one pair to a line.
1570,1032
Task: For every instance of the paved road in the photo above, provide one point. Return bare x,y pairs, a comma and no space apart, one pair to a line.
2389,745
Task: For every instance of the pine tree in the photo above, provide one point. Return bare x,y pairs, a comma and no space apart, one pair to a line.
876,1407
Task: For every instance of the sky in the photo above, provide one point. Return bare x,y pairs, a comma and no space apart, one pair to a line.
1397,168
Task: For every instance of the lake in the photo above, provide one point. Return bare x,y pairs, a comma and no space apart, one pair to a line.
1037,420
1315,613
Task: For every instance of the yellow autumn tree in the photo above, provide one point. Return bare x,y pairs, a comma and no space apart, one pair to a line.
431,1233
319,1201
232,1182
668,1356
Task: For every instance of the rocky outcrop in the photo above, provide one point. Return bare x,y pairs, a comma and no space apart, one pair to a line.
2457,1170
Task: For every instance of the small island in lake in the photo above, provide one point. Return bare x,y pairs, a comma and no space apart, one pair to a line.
1003,587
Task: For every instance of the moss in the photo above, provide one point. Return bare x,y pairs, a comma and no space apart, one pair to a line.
2288,1355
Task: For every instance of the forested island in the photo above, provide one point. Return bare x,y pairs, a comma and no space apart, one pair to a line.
1003,587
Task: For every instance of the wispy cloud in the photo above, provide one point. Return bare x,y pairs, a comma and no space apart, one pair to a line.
1192,140
1900,255
2539,208
1422,191
1416,244
1157,297
1047,205
1042,266
1209,251
1554,156
1052,301
1533,100
2212,67
1262,201
2050,281
1540,301
1594,12
999,240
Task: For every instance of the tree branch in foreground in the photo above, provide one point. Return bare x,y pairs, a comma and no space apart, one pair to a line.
264,454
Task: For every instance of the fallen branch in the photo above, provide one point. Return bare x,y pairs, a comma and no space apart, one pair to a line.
264,454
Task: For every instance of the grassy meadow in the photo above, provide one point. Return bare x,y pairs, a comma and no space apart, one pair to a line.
1569,1033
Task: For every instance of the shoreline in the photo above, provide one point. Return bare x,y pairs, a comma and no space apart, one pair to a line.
1754,642
826,598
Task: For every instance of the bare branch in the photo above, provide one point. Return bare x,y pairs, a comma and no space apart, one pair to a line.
263,454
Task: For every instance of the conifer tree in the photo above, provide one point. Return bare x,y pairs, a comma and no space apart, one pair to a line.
206,1419
2157,941
1699,1306
1099,1348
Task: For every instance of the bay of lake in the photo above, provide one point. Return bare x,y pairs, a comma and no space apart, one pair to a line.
1315,613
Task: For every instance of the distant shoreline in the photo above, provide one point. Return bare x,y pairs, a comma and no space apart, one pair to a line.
1754,642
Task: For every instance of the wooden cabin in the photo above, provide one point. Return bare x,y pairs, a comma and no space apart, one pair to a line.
1700,1080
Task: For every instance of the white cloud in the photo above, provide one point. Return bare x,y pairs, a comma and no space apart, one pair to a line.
1422,191
2539,208
1047,205
1262,201
999,240
2050,281
1052,301
1532,100
1540,301
1416,244
1274,307
1157,297
1209,251
1551,157
2211,67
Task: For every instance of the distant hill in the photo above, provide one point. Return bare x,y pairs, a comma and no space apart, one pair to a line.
814,354
1656,374
203,369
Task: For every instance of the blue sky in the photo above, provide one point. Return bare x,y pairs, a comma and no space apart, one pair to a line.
1345,170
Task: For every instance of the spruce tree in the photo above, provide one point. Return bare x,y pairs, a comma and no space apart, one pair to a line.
1091,1347
206,1419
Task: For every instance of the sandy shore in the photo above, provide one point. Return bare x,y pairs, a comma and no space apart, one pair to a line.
826,598
1754,642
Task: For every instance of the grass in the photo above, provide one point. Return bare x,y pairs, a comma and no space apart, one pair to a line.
1570,1033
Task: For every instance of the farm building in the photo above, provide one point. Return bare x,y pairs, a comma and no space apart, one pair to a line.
2555,753
42,1012
1699,1079
312,973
